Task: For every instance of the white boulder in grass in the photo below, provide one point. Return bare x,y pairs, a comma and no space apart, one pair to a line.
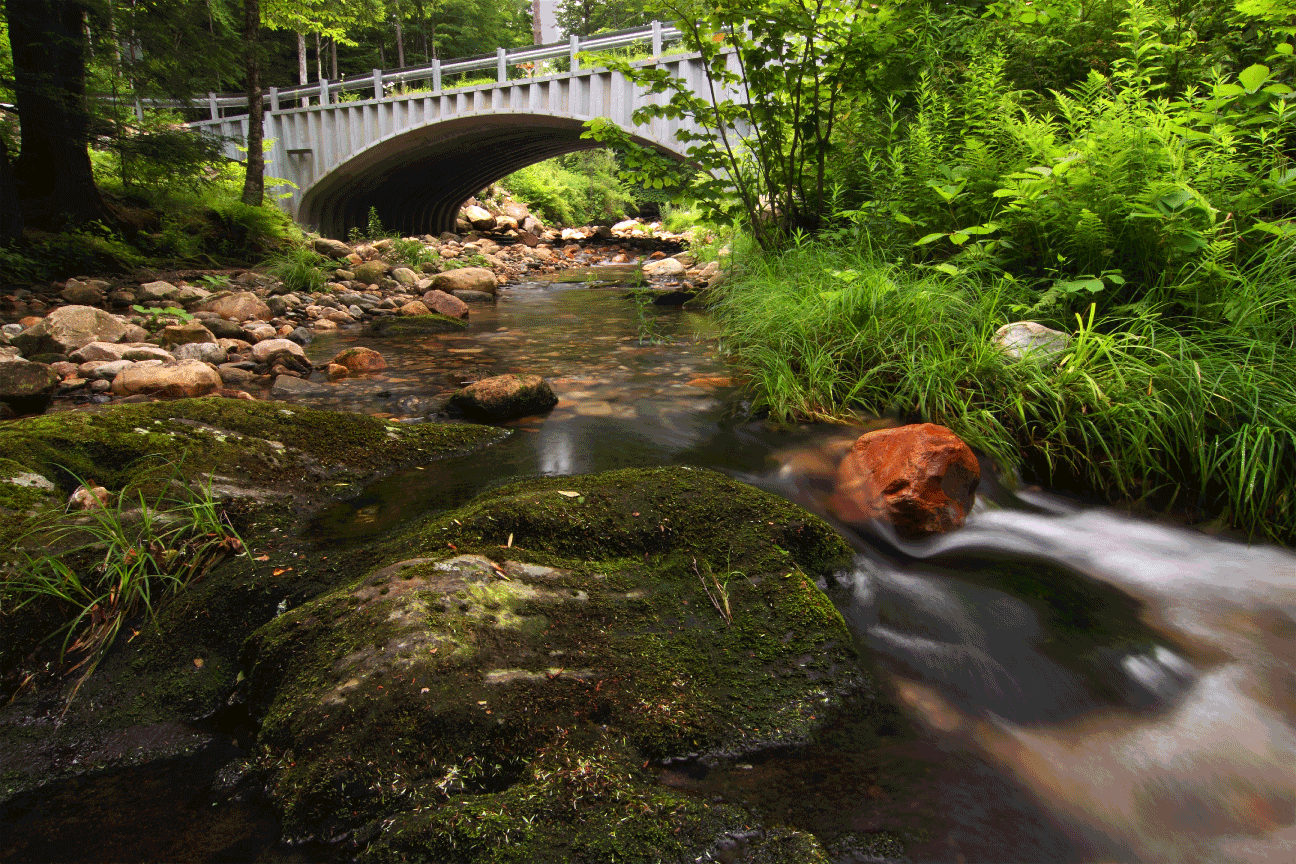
1030,339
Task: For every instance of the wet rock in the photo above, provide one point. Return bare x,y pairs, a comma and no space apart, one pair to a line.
920,478
242,306
445,304
360,360
335,249
488,644
182,378
81,293
25,387
416,325
336,372
68,328
504,397
414,307
465,279
208,352
474,296
287,386
1030,339
184,334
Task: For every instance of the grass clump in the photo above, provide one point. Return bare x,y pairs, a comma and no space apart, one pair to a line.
299,268
1142,406
118,560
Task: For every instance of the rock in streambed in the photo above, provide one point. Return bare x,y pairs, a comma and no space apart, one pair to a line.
506,681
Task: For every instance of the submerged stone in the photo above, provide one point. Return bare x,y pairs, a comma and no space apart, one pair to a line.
505,684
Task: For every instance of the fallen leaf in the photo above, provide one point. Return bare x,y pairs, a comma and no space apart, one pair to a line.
262,558
198,661
569,494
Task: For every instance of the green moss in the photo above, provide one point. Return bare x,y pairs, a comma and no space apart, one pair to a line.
501,705
273,465
417,325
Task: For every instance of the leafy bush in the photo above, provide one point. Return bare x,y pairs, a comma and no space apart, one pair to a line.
576,189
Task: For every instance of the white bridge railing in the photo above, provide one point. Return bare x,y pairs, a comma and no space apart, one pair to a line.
656,36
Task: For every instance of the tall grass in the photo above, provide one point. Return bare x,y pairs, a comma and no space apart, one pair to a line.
117,561
1135,408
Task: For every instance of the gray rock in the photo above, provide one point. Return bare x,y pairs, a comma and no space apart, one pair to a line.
404,276
188,295
465,279
302,335
1028,338
475,296
155,291
233,373
331,248
286,386
208,352
223,328
68,328
26,388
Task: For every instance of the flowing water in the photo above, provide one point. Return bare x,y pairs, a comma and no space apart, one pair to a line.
1065,683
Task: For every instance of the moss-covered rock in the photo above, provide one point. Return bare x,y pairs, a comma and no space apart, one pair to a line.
270,467
499,692
417,325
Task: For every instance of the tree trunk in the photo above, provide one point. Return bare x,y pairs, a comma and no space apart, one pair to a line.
537,32
54,181
254,179
11,222
400,46
333,52
303,74
319,59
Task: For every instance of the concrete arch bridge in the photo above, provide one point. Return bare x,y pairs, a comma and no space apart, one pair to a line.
402,143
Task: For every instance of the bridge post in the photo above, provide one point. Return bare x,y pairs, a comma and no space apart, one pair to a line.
274,100
377,84
211,103
436,76
501,65
324,92
656,39
575,51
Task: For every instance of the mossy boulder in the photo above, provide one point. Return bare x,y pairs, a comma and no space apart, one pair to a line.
500,689
417,325
270,465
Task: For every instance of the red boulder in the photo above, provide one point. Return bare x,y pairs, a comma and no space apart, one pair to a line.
920,478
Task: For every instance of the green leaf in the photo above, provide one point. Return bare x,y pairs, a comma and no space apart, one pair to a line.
1253,77
1229,90
929,238
958,238
947,268
1283,48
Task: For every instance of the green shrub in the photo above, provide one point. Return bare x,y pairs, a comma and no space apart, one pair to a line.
576,189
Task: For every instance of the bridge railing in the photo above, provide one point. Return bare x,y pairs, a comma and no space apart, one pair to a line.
379,82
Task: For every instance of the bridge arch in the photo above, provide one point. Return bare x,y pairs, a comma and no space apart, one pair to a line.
418,178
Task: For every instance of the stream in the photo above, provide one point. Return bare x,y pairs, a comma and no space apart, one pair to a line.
1065,684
